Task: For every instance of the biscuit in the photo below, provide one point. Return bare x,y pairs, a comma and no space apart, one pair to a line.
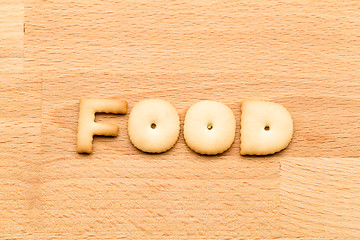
266,128
209,127
154,125
87,127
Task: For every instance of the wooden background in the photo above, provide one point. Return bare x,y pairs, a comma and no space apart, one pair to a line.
304,55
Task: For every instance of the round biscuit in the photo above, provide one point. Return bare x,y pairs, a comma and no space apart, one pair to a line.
209,127
153,125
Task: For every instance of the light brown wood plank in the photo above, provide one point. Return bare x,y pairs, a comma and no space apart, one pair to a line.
20,120
320,197
11,36
304,55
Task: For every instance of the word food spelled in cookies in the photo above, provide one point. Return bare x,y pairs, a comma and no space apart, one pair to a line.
209,126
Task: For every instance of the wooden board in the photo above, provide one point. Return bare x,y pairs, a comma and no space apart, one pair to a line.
304,55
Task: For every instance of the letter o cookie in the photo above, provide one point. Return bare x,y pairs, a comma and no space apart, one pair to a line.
153,125
209,127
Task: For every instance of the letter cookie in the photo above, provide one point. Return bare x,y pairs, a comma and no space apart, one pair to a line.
154,125
87,127
266,128
209,127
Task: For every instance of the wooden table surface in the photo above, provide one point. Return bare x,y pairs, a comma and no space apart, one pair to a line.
304,55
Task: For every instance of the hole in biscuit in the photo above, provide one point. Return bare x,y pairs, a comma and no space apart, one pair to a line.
209,126
267,128
153,125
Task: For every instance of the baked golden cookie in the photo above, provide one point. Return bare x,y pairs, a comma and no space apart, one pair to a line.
87,128
266,128
154,125
209,127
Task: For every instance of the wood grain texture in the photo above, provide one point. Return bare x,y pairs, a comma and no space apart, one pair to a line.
319,199
303,55
11,36
19,123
